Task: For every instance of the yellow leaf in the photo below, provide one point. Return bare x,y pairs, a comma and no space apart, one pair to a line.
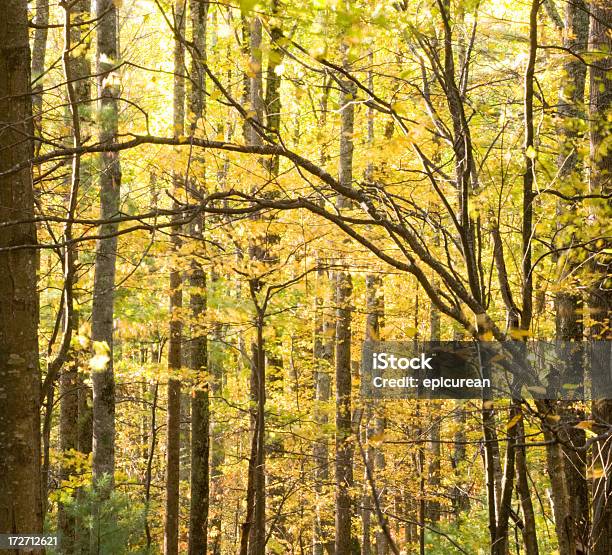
514,421
101,348
585,425
377,439
519,334
595,473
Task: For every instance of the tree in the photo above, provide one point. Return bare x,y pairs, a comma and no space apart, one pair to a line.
102,312
438,148
198,362
344,286
77,72
20,487
600,298
173,418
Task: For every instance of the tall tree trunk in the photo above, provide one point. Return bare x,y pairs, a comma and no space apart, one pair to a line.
324,342
433,506
217,455
39,50
173,415
568,473
106,253
254,528
600,295
375,307
20,485
323,353
344,448
517,434
530,536
257,536
77,71
273,80
198,356
344,287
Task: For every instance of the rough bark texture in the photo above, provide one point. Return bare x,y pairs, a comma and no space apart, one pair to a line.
524,493
39,50
273,81
254,527
433,506
173,415
344,448
198,356
257,536
255,82
20,487
106,249
375,307
344,287
323,352
600,295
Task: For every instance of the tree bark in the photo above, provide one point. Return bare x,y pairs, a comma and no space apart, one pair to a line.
435,454
567,472
173,415
344,447
344,288
530,536
600,294
323,353
106,252
20,485
254,528
39,50
198,356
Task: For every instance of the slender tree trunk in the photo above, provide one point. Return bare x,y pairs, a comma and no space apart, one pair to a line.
433,506
273,81
522,487
568,472
39,51
68,431
324,343
217,458
600,294
173,415
198,356
375,307
559,491
257,539
344,448
77,71
106,254
518,433
344,287
150,455
254,527
20,490
323,352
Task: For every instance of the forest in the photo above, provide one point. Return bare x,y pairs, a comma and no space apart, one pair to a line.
208,208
